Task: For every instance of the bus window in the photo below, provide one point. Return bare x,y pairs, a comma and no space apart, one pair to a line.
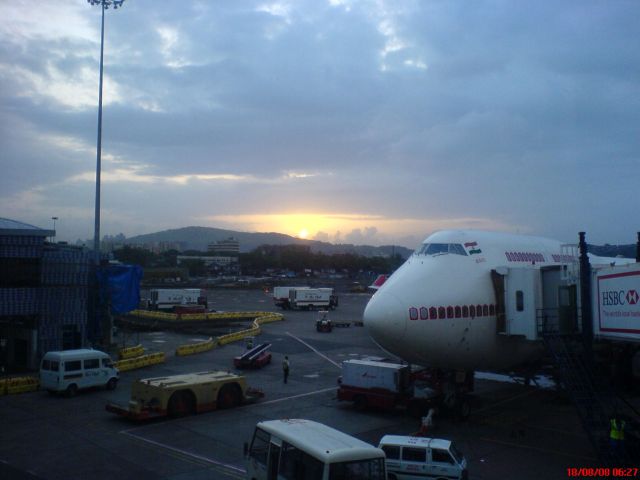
441,456
295,463
73,366
358,470
391,452
91,363
260,446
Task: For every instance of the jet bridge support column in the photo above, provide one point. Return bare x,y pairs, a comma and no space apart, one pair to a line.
585,298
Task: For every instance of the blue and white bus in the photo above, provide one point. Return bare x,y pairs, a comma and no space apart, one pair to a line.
295,448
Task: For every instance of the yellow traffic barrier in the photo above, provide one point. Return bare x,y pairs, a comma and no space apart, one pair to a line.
131,352
10,386
264,317
140,362
199,347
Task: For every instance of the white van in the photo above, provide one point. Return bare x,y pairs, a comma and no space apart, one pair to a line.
70,370
421,457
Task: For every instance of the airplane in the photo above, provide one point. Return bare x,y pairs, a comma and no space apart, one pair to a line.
439,309
378,282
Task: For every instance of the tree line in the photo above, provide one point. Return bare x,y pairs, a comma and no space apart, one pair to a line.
295,258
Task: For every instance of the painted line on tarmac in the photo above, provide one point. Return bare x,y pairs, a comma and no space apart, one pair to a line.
233,469
293,396
506,400
537,449
311,348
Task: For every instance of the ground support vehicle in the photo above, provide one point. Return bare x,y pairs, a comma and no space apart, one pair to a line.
384,385
409,458
71,370
168,298
293,449
324,324
312,298
281,296
257,357
186,394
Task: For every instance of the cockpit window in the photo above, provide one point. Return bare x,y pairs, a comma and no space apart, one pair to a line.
442,248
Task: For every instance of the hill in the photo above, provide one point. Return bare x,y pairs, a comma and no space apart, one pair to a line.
198,238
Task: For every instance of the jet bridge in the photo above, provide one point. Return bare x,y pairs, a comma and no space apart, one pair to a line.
532,299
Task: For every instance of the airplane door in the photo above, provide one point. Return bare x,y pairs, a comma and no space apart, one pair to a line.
568,309
523,294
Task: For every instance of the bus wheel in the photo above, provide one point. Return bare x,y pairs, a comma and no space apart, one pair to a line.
72,390
181,404
360,402
112,384
229,396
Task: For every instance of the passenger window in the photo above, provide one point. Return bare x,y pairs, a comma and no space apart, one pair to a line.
46,365
479,310
414,454
441,456
295,463
107,363
73,366
472,311
433,313
260,446
458,311
465,311
391,452
519,300
55,366
92,363
449,312
441,312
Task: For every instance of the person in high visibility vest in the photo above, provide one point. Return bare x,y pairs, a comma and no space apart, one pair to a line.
616,434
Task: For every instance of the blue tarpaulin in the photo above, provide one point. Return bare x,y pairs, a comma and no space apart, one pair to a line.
120,284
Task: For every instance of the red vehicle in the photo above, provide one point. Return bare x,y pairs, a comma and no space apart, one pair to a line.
257,357
383,385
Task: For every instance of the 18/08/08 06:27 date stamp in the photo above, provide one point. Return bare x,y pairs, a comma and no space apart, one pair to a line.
591,472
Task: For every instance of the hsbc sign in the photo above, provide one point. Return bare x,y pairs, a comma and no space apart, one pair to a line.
619,297
618,302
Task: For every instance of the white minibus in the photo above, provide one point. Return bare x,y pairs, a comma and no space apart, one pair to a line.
421,457
302,449
71,370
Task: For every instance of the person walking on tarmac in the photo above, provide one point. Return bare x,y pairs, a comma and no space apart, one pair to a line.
285,368
616,434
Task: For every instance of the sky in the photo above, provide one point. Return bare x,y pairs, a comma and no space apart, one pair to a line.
368,122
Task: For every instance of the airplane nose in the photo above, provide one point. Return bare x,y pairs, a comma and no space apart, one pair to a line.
386,319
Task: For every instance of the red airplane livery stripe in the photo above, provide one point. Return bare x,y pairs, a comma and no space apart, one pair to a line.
470,244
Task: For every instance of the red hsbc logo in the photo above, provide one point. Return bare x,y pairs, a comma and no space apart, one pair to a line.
632,297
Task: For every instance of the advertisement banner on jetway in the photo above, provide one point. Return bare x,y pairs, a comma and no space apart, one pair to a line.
618,302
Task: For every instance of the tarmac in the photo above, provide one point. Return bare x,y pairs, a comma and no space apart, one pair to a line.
514,431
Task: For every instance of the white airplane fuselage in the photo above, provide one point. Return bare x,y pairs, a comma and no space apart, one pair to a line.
439,308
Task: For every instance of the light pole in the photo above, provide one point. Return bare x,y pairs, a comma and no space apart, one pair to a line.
54,228
104,4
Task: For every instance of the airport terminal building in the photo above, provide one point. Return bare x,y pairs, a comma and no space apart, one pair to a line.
44,295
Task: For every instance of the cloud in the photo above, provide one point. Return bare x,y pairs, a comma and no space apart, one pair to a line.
399,117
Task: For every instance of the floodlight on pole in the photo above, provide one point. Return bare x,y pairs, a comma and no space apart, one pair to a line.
104,4
54,227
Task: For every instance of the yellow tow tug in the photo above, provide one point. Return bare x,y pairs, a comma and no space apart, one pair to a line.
186,394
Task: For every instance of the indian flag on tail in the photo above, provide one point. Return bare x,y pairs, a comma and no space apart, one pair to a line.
472,248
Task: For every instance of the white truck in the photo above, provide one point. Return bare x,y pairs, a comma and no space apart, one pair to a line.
383,385
312,298
168,298
281,296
